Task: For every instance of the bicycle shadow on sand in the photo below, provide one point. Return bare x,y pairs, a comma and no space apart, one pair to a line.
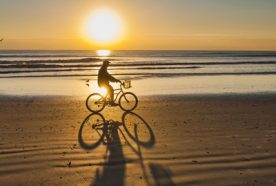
134,132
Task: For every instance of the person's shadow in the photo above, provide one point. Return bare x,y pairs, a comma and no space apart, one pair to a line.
95,130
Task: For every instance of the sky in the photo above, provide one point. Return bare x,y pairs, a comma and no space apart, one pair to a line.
147,24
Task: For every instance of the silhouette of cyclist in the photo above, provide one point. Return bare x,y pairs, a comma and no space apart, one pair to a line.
104,78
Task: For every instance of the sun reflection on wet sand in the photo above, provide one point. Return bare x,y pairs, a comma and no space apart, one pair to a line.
149,86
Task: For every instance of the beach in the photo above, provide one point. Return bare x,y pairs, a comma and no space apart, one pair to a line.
203,118
167,140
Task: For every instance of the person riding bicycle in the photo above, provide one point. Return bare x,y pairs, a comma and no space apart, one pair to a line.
104,78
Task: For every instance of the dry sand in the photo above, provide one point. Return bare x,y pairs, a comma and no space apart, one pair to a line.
203,140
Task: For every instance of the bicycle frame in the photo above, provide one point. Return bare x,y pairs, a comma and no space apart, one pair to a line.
117,93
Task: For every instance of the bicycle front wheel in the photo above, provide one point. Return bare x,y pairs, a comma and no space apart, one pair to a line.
128,101
95,102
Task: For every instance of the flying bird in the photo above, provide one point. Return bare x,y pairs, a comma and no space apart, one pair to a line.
87,82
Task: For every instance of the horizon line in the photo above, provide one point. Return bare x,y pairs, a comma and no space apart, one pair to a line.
203,50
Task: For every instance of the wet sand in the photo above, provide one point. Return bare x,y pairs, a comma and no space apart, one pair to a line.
177,140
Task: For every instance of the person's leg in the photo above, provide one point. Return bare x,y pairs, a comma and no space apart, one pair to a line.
111,93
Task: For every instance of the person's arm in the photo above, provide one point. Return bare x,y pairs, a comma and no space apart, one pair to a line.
113,79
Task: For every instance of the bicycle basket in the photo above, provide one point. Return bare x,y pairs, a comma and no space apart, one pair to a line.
127,84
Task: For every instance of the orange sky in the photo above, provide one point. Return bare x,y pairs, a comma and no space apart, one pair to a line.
157,24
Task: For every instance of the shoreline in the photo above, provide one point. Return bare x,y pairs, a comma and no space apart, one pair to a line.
159,96
209,85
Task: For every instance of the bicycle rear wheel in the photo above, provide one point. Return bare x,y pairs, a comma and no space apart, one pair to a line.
128,101
95,102
92,131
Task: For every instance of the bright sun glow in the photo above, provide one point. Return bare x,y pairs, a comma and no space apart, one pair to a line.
95,88
102,91
103,53
103,26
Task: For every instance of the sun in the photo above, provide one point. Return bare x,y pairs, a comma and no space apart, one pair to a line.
103,26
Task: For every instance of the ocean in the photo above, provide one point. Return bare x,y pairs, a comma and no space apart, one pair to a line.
175,72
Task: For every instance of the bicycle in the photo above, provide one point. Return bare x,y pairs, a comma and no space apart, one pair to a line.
127,101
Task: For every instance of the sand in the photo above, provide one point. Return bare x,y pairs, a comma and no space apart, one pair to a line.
168,140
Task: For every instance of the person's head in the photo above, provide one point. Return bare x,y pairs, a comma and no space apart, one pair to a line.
106,63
